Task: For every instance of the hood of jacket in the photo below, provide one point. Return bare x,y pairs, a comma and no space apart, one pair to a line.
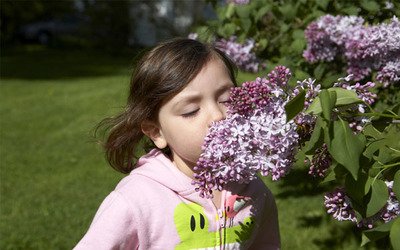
159,168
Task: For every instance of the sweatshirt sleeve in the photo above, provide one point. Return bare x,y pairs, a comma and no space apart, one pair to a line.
268,236
112,226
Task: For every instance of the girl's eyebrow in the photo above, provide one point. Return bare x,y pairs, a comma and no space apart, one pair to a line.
224,87
193,97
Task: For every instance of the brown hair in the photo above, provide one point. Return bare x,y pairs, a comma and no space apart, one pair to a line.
160,74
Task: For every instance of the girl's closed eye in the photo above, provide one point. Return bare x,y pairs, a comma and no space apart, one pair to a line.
190,113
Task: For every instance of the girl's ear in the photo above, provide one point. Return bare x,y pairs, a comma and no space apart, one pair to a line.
153,131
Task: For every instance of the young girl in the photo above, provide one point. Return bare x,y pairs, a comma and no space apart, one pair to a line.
177,90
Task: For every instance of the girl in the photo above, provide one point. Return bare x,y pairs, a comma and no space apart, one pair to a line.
177,90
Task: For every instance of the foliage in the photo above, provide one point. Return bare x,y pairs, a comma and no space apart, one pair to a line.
277,27
364,163
14,14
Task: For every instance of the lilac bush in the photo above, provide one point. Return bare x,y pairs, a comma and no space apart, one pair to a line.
365,48
254,138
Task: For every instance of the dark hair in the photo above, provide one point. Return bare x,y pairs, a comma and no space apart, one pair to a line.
161,73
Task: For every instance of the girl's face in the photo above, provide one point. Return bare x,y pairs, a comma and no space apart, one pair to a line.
184,120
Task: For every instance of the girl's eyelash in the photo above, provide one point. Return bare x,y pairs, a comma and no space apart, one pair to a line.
190,114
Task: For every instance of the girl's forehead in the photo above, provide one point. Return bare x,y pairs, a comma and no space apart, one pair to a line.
212,76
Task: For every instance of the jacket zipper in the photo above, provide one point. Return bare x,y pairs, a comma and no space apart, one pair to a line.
221,218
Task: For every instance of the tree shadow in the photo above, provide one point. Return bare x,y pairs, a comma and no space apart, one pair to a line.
299,183
40,63
310,221
339,236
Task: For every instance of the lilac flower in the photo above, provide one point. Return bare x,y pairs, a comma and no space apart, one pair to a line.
241,54
320,163
193,36
390,73
254,138
238,2
339,206
366,48
327,34
363,92
392,207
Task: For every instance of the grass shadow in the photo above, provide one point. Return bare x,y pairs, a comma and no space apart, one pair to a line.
36,62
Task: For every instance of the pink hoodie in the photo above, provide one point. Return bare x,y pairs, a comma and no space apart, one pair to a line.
156,207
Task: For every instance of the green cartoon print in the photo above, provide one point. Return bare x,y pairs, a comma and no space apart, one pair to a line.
193,229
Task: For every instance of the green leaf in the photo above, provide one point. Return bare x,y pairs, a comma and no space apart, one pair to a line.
288,11
394,234
262,44
243,11
323,4
328,101
379,196
371,131
345,96
319,71
352,10
376,233
294,106
316,136
331,176
345,147
230,10
396,184
261,12
373,147
298,45
246,24
369,5
357,189
229,29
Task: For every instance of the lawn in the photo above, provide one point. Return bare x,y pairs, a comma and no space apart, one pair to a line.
54,175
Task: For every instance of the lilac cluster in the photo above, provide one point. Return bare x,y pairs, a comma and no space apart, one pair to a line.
366,48
392,207
389,73
320,162
254,138
238,2
306,121
363,92
339,206
241,54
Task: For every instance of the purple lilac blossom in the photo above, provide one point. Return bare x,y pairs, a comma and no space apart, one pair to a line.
241,54
390,73
238,2
365,48
304,120
392,207
254,138
339,206
363,92
320,162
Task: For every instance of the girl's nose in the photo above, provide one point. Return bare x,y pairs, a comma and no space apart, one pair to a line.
217,113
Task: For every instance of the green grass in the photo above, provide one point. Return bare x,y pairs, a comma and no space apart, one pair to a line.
54,176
